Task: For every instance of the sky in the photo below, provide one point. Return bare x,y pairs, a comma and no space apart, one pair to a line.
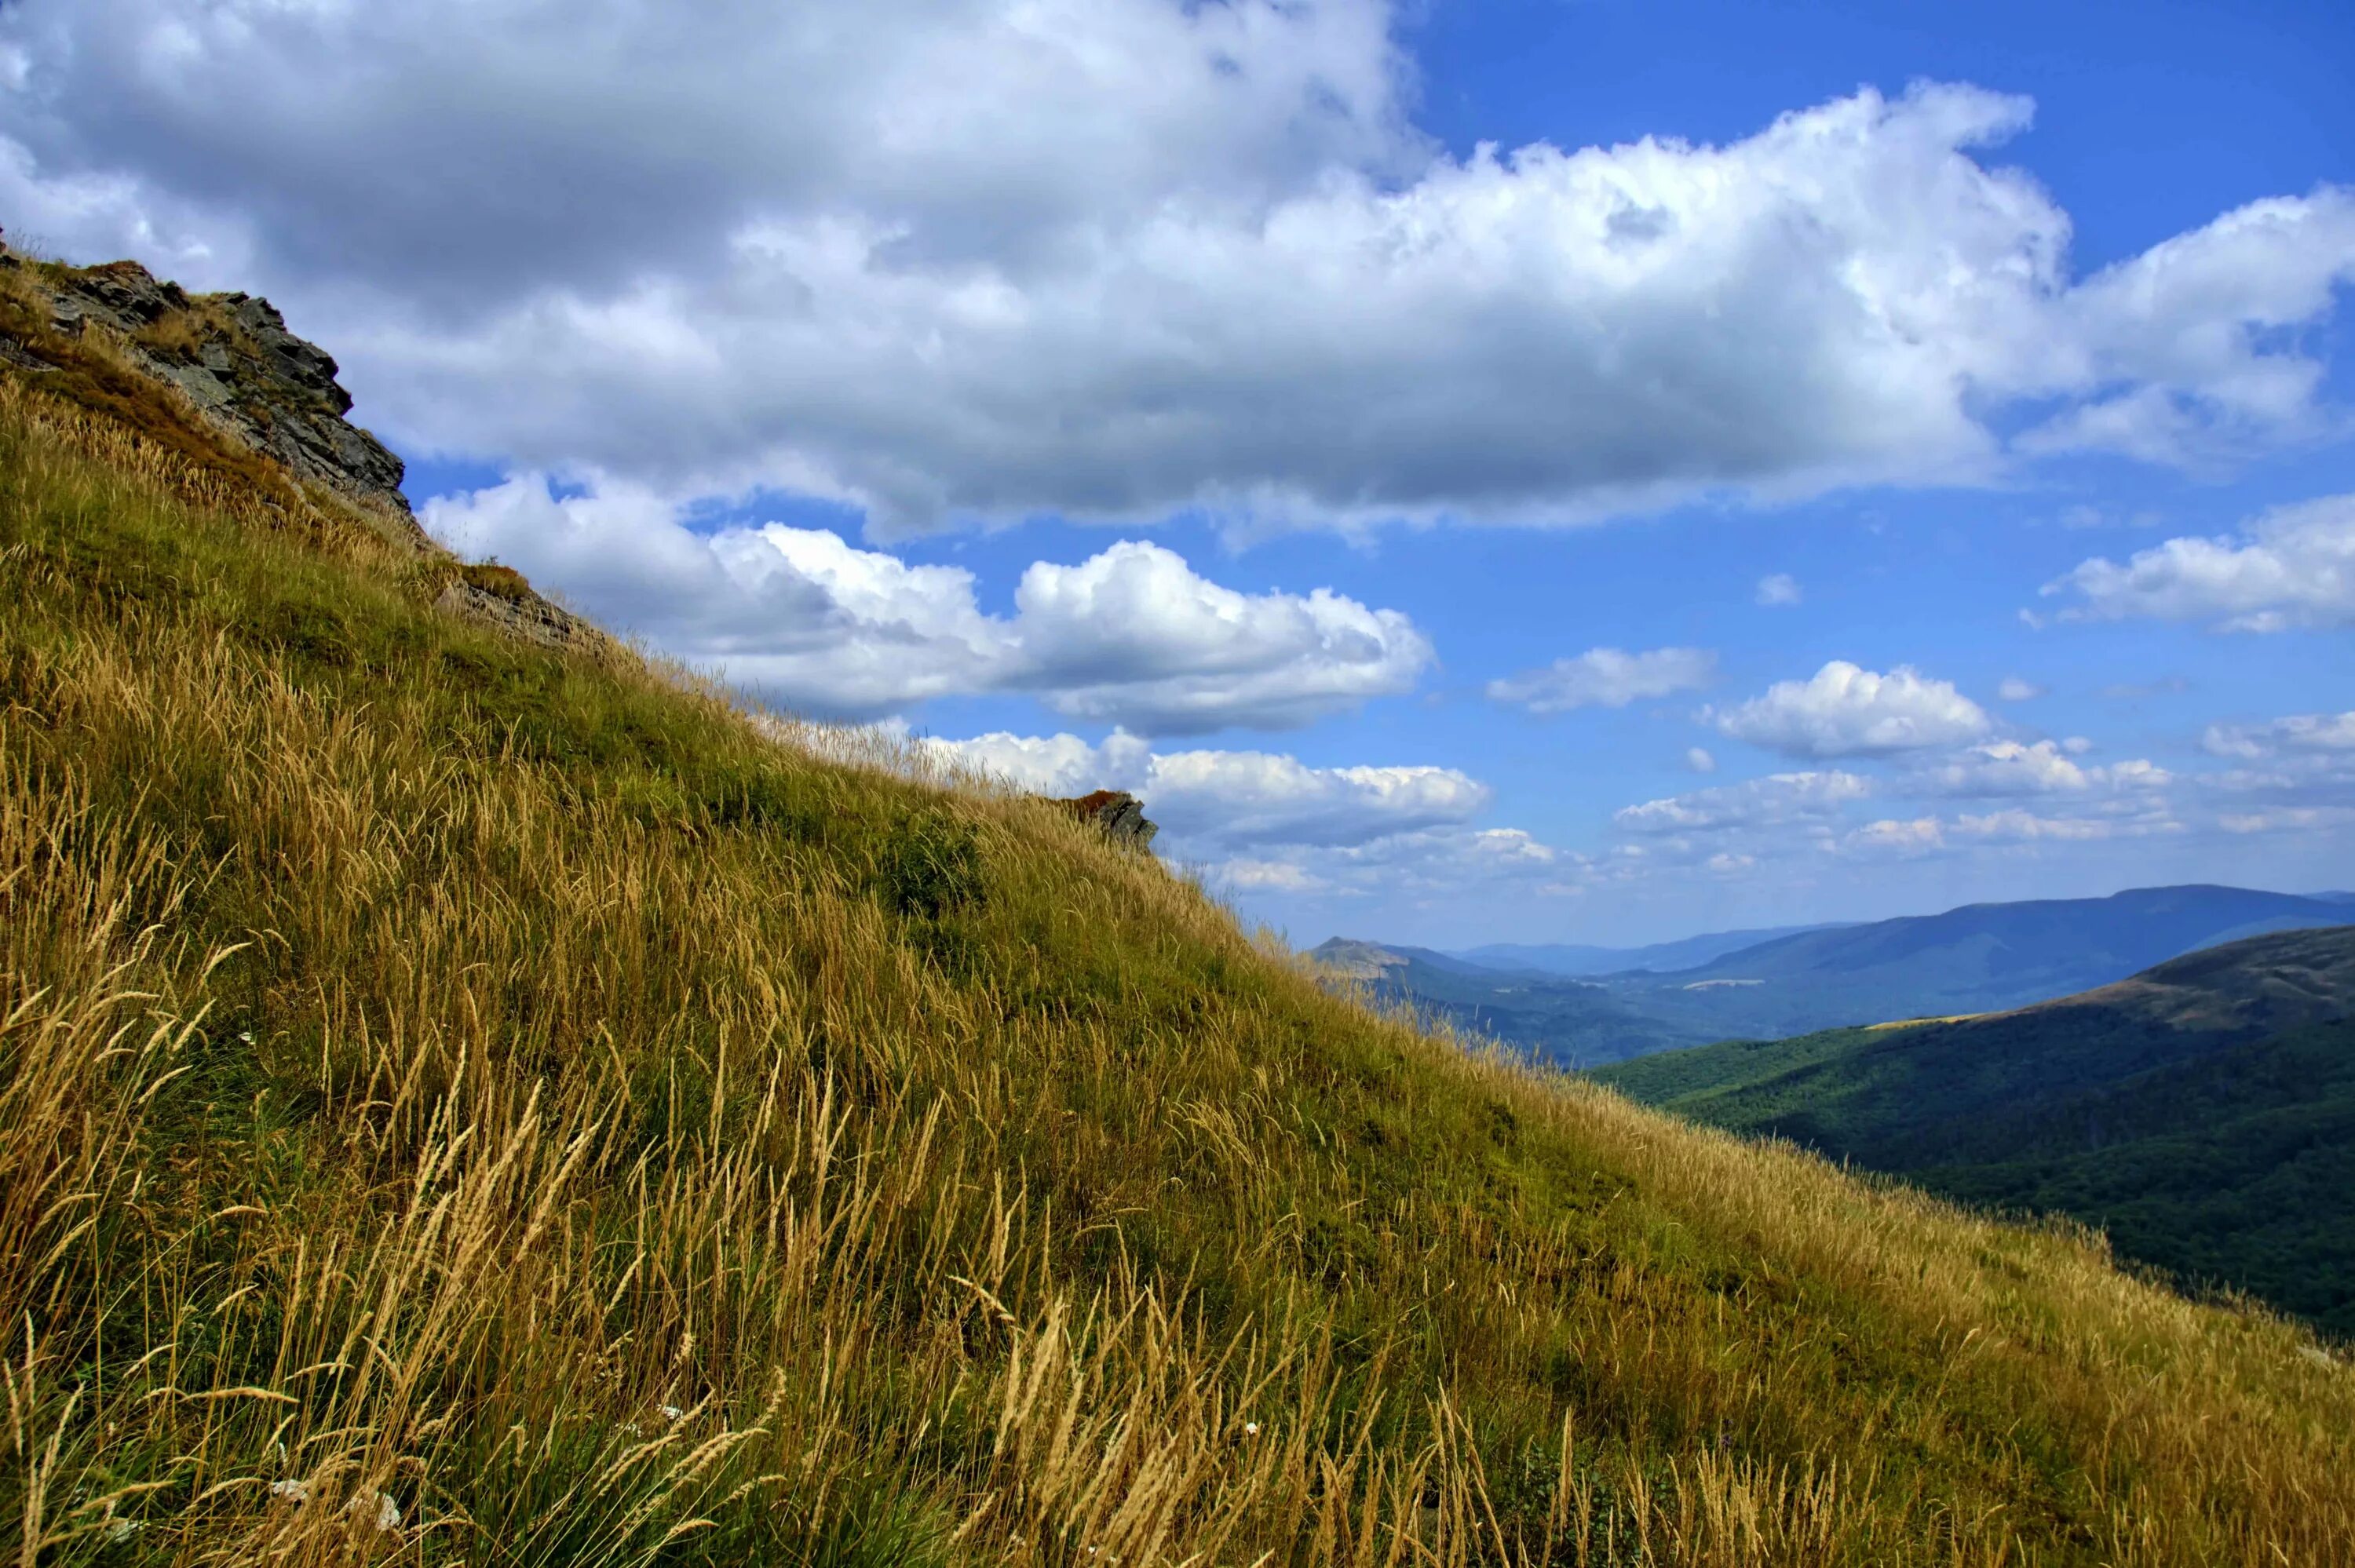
1480,470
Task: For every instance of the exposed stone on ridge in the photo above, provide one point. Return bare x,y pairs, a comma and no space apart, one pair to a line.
1118,813
239,382
232,356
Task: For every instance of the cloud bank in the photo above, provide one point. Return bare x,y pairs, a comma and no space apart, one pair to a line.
1131,636
957,261
2294,566
1606,677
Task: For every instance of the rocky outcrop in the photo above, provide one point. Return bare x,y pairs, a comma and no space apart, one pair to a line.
522,614
1118,814
219,379
232,358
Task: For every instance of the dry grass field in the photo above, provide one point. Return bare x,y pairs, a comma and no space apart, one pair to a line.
463,1104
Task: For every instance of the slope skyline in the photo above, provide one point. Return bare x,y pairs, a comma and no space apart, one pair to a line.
1477,468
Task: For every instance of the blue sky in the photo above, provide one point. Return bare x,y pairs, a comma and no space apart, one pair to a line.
1182,399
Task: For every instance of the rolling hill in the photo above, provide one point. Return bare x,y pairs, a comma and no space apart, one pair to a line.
470,1095
2202,1112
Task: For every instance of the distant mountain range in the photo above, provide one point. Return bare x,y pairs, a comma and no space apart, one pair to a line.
1981,957
1560,958
2202,1112
1564,1020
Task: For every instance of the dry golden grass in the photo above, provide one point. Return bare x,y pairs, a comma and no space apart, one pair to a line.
459,1105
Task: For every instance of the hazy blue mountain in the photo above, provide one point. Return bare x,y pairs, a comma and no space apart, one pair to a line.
2202,1111
1569,1022
1981,957
1571,958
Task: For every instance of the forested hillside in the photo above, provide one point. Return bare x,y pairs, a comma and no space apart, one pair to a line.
2202,1113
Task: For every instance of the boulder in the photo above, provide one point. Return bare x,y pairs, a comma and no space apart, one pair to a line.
1118,814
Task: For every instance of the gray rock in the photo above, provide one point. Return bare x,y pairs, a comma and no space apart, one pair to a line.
1117,813
245,373
230,359
530,617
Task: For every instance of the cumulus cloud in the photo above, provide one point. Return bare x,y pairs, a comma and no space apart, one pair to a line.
2008,826
2299,732
2288,820
2013,689
1266,824
1777,800
1131,636
1915,836
2294,566
1698,760
959,260
2038,768
1849,711
1778,589
1606,677
2020,826
1232,798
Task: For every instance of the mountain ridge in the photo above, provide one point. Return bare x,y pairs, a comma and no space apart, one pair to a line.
1976,957
2206,1058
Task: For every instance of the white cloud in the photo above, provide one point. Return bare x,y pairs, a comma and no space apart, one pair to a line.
2294,566
1207,800
2010,826
1917,836
1698,760
2017,825
2039,767
2300,732
2288,820
2013,689
1846,711
1776,799
982,258
1467,868
1607,677
1131,635
1266,824
1241,874
1778,589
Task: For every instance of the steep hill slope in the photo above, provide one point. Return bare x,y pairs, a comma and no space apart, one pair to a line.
2203,1111
469,1100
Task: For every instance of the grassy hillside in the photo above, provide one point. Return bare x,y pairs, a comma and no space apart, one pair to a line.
2202,1113
461,1102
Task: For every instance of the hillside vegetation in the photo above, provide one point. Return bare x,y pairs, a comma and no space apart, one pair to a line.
463,1101
2202,1113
